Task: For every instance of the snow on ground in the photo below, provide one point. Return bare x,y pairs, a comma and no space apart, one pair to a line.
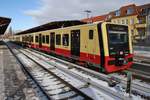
120,90
74,81
96,94
77,83
103,83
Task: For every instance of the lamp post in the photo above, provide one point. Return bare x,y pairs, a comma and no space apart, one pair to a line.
88,14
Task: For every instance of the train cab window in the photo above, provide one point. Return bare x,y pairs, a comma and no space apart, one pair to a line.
36,39
66,39
58,39
91,32
47,39
43,38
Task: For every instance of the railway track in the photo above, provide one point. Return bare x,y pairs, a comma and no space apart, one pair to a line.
140,72
141,68
91,74
51,83
141,60
143,76
137,88
31,79
87,82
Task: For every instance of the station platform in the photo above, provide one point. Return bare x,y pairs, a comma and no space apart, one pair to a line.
13,84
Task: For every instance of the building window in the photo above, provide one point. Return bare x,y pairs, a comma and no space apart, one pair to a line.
132,21
47,39
117,13
144,12
130,10
123,22
127,21
66,39
91,34
109,16
36,39
43,38
132,32
113,21
58,39
118,21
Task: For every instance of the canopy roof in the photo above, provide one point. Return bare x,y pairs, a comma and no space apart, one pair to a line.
4,22
52,25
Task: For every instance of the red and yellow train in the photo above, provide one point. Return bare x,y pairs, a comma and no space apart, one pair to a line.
104,46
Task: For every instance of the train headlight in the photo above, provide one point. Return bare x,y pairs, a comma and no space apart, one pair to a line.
121,52
125,61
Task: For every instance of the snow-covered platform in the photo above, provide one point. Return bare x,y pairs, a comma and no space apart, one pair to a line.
12,78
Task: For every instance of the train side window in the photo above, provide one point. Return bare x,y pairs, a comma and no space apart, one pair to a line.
91,32
66,39
31,38
36,39
23,38
47,39
27,38
58,39
43,38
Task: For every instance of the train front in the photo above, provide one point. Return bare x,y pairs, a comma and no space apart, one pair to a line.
117,44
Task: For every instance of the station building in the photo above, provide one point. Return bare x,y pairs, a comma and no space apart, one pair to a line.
136,17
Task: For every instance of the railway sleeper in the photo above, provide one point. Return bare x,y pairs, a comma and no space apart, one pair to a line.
58,92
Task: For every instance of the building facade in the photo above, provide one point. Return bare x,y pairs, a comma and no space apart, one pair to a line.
136,17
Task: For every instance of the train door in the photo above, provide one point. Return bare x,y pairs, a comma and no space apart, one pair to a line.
30,40
40,40
75,42
91,45
52,41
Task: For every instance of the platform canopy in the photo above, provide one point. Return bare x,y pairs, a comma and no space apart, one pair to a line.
4,22
52,25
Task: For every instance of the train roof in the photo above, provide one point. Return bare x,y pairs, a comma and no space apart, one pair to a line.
4,22
53,25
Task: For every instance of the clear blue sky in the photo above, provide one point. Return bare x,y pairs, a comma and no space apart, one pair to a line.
14,9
